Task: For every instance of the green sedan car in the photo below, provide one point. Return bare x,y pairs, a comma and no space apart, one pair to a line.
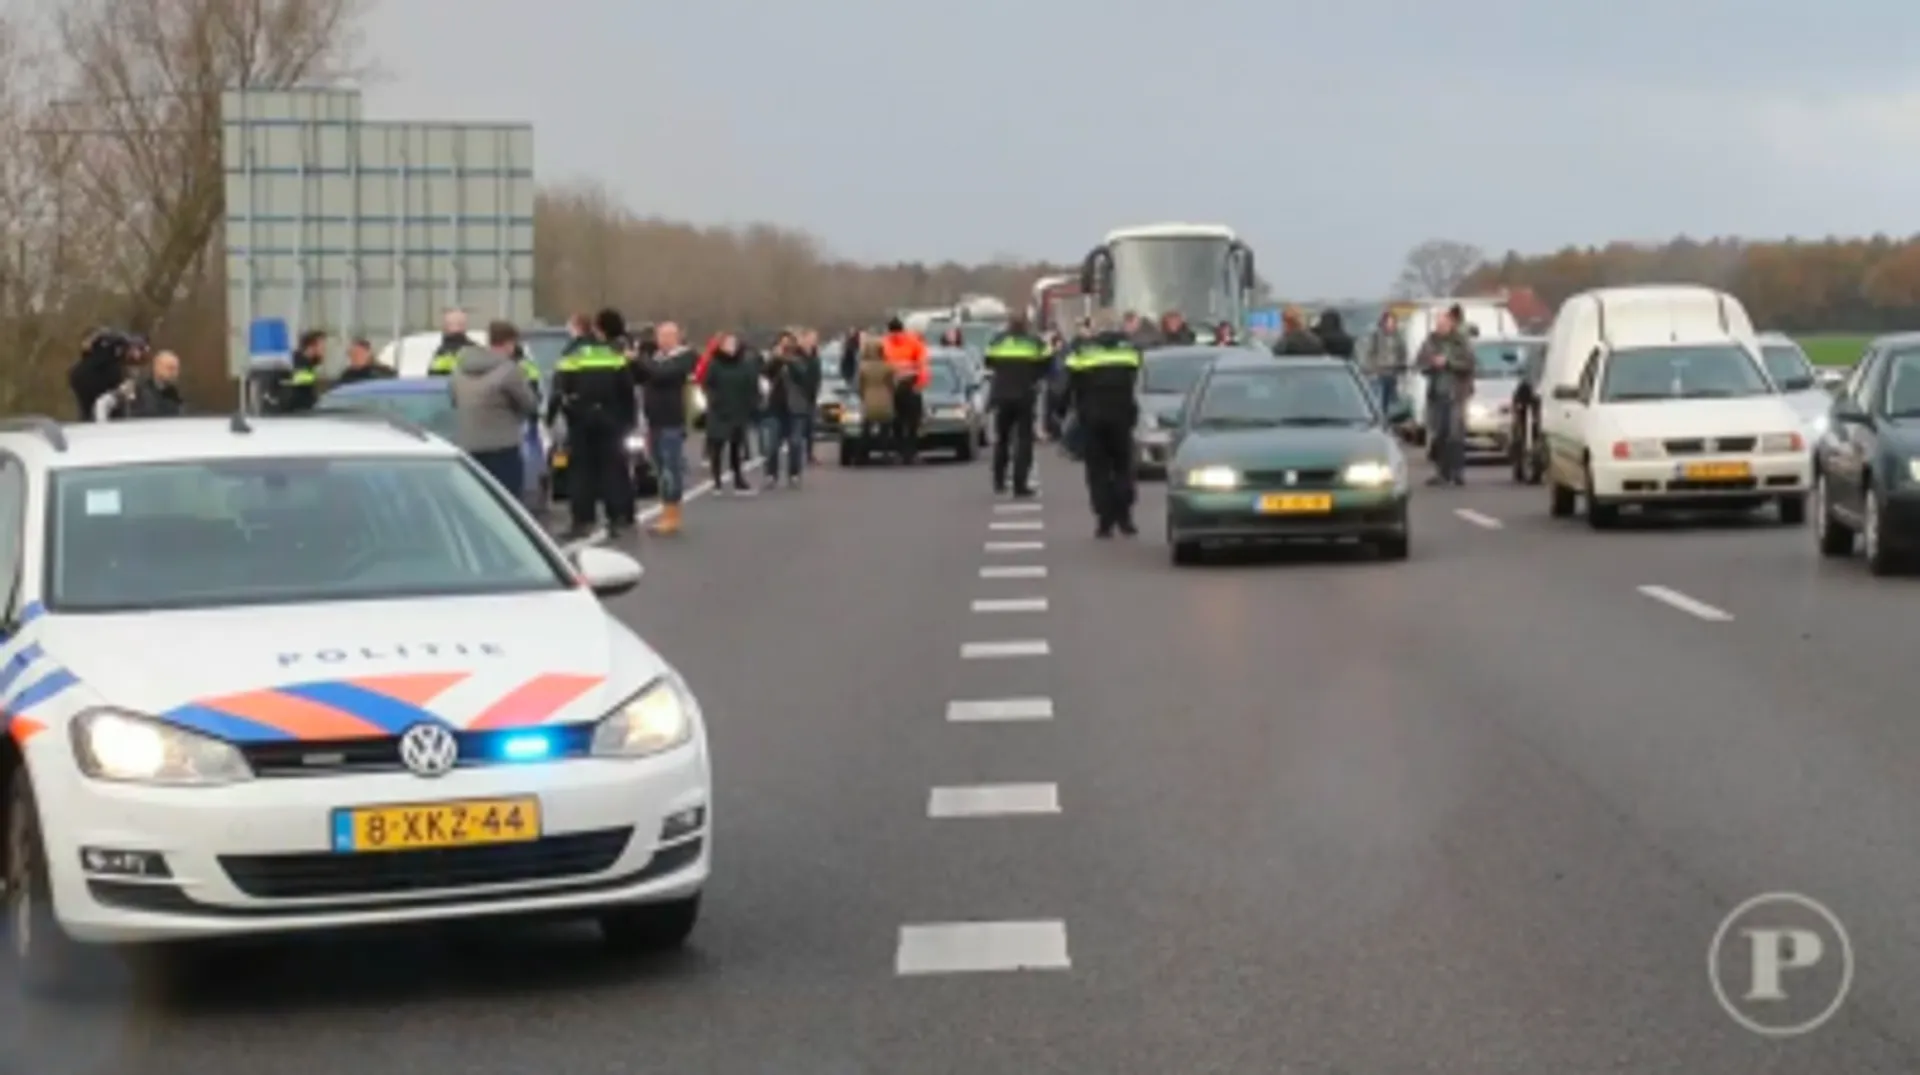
1267,451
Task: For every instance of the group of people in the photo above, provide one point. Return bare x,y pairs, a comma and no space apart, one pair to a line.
119,376
1446,358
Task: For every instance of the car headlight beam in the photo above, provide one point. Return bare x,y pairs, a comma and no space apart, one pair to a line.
658,718
1212,478
110,744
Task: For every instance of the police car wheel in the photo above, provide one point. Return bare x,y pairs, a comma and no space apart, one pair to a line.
650,927
47,961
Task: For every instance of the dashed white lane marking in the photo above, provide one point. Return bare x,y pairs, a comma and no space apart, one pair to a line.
1012,509
1020,647
1000,710
1689,605
994,800
1484,522
1011,604
1024,571
1017,524
1015,546
981,947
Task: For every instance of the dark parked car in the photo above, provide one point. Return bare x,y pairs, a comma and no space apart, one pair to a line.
1866,484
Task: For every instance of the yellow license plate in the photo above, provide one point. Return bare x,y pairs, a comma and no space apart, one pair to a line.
559,460
1296,504
423,826
1717,472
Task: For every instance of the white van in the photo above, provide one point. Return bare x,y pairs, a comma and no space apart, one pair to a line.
1484,317
1657,396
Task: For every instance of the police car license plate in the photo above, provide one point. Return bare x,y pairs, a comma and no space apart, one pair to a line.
423,826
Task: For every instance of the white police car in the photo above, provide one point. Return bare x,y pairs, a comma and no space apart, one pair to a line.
318,672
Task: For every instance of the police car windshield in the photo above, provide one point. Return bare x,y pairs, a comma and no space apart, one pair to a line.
1282,396
431,411
223,532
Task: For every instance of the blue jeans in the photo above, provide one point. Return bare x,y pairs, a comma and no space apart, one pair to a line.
783,431
668,446
1388,385
1447,428
507,468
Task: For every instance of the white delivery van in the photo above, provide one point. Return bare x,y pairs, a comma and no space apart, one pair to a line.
1484,317
1656,396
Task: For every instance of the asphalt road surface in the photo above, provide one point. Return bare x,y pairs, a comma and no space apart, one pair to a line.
995,797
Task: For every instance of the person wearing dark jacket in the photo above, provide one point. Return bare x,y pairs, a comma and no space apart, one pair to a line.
850,348
101,367
732,383
300,390
593,388
361,366
454,342
787,404
150,393
1295,337
1333,335
1102,373
1019,362
1174,330
663,376
812,379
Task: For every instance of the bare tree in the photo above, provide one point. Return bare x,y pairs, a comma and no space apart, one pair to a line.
1436,268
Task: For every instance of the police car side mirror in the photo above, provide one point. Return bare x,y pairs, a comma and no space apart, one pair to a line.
607,572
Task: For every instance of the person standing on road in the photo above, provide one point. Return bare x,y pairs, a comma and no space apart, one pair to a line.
1447,359
454,342
492,403
663,376
1295,337
907,355
1333,335
1385,361
1019,362
787,404
732,384
593,389
1102,374
1174,330
812,377
873,382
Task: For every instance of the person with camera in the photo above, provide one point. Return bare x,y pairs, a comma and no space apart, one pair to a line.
153,392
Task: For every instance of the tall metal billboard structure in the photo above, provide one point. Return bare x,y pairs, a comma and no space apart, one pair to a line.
370,228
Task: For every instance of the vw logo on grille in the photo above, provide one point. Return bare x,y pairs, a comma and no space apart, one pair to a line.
1292,478
429,750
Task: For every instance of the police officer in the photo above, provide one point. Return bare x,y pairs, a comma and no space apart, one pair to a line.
593,387
453,340
300,389
1019,362
1101,374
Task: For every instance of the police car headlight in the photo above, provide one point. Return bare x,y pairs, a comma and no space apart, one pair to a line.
1371,474
1212,478
659,718
110,744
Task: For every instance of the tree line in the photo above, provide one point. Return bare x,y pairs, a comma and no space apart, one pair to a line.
1791,285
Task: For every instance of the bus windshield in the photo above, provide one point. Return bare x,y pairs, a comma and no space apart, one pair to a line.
1193,274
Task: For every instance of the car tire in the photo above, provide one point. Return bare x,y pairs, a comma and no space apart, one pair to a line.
1600,515
848,456
1880,559
967,451
650,927
1834,538
1184,553
1560,500
47,962
1793,511
1399,547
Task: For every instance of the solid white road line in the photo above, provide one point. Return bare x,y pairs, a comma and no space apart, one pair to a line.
1484,522
1690,606
694,492
1025,571
1000,710
1015,546
979,947
1018,524
994,800
1018,506
1011,604
1020,647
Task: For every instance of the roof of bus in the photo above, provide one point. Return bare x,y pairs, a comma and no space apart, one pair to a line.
1172,231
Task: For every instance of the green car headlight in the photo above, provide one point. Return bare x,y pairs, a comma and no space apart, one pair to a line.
1212,478
1371,474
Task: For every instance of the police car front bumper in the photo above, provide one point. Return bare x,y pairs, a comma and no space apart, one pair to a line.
258,857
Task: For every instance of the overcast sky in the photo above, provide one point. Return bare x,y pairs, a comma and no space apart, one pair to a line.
1333,134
